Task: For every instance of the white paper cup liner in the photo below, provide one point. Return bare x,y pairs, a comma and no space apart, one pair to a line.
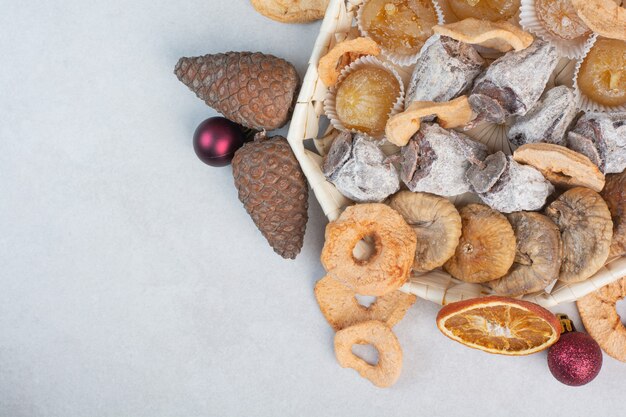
569,48
330,102
395,58
585,103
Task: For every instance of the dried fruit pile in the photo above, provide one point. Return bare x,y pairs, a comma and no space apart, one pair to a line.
552,202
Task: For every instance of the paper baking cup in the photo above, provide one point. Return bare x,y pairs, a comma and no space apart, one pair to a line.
569,48
330,103
398,59
585,103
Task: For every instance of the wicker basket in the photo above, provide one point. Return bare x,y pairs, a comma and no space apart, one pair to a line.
436,286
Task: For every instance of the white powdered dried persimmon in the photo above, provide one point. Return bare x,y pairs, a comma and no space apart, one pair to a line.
291,11
586,228
486,249
342,55
597,311
437,225
339,305
387,371
394,249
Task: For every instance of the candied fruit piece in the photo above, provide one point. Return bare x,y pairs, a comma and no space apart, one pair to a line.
400,26
559,18
493,10
602,74
365,98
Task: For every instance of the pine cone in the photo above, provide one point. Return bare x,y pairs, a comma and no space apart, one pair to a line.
274,192
252,89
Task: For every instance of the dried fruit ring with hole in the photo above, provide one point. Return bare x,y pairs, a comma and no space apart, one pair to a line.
291,11
561,166
537,257
586,231
614,193
437,225
343,54
501,36
486,249
339,305
387,371
394,248
597,311
604,17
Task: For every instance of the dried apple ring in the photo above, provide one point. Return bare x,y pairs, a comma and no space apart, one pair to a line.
604,17
437,225
341,308
501,36
597,311
387,371
561,166
343,54
401,127
394,248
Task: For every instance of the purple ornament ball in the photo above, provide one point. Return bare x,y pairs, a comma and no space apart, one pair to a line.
216,140
576,359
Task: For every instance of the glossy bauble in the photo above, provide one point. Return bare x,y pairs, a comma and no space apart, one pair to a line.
216,140
576,359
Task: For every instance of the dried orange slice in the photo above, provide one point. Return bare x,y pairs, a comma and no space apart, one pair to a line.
501,325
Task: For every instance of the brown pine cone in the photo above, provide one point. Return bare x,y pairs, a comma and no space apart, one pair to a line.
252,89
274,191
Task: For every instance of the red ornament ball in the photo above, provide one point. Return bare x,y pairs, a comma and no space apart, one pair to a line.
576,359
216,140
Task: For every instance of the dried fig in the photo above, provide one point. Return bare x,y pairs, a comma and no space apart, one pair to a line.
437,225
486,249
537,255
586,231
597,311
561,166
291,11
614,193
341,308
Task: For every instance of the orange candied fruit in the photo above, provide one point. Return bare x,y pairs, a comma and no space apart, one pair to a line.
602,74
559,18
365,98
492,10
400,26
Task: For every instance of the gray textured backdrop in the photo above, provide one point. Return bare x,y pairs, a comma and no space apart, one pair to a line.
132,281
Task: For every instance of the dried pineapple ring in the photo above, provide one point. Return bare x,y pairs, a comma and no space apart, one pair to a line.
604,17
437,225
385,270
561,166
401,127
291,11
341,308
597,311
502,36
343,54
387,371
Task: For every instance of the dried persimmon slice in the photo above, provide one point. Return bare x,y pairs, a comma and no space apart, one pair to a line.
500,325
341,55
501,36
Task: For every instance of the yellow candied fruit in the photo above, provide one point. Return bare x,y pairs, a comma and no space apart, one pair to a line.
365,98
400,26
602,75
493,10
559,18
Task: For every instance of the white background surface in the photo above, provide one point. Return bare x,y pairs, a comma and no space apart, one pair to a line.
132,281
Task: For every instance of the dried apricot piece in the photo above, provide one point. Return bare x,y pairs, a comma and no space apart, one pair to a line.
537,255
341,308
291,11
343,54
602,74
387,371
501,36
493,10
486,249
561,166
437,225
597,311
586,228
614,193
